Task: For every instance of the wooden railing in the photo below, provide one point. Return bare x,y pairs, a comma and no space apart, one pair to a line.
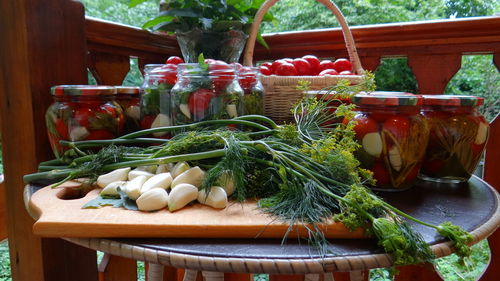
49,44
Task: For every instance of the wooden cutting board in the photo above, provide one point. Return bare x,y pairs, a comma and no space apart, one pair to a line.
58,217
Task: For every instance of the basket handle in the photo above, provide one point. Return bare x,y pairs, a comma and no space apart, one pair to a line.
349,40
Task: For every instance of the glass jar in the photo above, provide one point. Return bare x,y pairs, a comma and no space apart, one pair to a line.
393,135
457,139
206,94
82,112
129,100
155,99
253,91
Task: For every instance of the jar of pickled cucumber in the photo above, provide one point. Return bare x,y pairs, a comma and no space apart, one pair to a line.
129,100
393,136
155,98
457,139
253,90
82,112
207,91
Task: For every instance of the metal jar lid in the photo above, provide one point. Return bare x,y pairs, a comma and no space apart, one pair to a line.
82,90
128,90
452,100
387,99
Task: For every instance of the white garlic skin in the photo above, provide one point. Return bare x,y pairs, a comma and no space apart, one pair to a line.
216,198
152,200
136,173
372,144
133,188
116,175
194,176
163,180
179,168
182,195
112,188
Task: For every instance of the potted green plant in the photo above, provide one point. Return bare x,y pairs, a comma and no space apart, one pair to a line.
216,28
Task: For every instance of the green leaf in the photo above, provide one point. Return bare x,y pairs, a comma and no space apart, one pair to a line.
201,62
134,3
128,203
261,40
156,21
100,201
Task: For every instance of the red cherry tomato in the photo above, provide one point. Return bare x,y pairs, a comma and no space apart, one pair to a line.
146,121
286,69
380,174
62,129
247,78
264,70
342,65
174,60
412,174
222,74
325,64
275,65
398,126
168,74
314,63
236,65
82,116
108,109
99,135
328,72
209,61
302,66
289,60
364,125
199,100
267,64
346,72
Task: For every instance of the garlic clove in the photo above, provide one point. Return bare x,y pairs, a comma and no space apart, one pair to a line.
78,133
152,200
164,168
161,120
226,181
133,188
194,176
116,175
395,158
179,168
133,112
185,110
136,173
231,110
216,198
112,188
482,133
150,169
372,143
162,180
182,195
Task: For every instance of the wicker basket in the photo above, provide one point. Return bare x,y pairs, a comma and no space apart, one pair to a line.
281,91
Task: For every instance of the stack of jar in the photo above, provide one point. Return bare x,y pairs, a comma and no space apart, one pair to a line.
441,137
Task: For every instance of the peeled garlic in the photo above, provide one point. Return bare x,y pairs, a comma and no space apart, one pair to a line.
152,200
185,110
179,168
192,176
216,198
112,188
162,180
116,175
163,168
231,110
226,182
482,133
395,158
182,195
133,188
372,143
161,120
78,133
150,169
133,112
136,173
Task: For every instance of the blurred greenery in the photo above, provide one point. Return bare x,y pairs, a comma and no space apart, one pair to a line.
4,261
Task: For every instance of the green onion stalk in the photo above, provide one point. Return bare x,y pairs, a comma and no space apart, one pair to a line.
302,173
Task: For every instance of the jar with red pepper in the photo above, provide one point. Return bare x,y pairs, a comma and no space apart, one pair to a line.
129,100
83,112
393,136
457,139
155,99
253,90
206,91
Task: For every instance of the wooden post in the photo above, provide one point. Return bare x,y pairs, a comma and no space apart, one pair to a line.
43,44
433,72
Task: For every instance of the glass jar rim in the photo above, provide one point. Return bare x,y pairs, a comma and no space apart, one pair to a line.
452,100
82,90
386,98
128,90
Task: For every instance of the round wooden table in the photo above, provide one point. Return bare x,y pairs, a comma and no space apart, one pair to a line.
474,206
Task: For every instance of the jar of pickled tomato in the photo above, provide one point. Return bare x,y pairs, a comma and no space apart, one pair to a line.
457,139
155,106
253,90
82,112
393,136
129,100
207,91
